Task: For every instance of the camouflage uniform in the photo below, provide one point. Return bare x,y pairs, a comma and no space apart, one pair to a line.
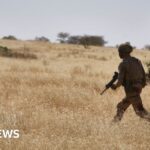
132,77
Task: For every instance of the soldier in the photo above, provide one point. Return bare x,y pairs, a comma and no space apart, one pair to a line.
132,78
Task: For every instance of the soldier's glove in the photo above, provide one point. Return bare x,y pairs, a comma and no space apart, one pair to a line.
113,87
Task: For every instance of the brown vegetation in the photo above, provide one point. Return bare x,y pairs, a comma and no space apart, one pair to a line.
55,101
5,52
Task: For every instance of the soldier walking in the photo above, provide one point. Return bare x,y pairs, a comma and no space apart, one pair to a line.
132,78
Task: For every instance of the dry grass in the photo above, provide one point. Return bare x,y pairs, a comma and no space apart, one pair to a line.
55,103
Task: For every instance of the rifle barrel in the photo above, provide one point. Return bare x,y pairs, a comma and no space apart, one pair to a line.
103,91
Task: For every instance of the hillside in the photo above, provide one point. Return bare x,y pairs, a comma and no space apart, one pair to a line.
55,102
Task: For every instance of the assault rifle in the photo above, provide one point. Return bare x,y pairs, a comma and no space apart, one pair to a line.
108,85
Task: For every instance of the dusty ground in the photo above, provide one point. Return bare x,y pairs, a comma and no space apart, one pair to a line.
55,100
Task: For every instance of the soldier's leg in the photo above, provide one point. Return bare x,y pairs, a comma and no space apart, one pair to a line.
139,109
121,108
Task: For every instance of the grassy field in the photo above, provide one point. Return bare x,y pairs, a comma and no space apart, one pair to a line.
55,100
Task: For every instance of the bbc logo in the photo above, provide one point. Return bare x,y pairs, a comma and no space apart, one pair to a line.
8,134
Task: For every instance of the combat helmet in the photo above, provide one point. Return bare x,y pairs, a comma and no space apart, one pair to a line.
125,48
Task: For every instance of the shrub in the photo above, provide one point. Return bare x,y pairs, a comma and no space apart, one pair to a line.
92,40
62,37
9,37
42,39
4,51
87,40
74,39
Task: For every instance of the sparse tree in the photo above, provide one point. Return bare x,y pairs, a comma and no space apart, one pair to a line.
88,40
85,41
62,37
74,39
42,39
9,37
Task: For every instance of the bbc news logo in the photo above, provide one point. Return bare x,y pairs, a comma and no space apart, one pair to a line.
9,134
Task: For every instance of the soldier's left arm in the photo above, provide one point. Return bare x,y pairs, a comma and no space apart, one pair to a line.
121,76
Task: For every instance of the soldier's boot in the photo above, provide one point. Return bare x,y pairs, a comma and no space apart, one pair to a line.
147,117
143,114
118,116
140,110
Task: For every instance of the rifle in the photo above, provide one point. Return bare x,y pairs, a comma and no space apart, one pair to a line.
108,85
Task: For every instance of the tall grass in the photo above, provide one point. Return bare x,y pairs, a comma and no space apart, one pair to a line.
55,101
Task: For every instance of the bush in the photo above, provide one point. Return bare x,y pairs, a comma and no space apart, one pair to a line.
42,39
74,39
87,40
5,52
62,37
10,37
